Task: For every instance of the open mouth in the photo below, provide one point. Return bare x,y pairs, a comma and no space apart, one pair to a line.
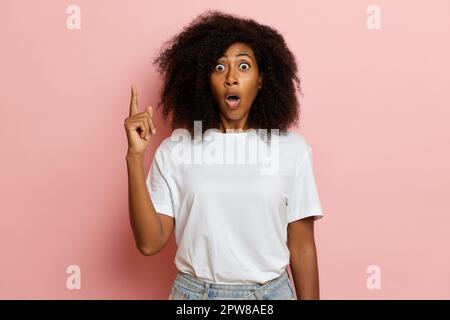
233,100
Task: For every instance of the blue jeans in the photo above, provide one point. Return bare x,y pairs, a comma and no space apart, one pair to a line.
187,287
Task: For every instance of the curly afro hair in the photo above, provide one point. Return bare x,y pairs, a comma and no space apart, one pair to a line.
187,60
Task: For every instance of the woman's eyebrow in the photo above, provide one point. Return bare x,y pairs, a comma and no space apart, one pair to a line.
239,54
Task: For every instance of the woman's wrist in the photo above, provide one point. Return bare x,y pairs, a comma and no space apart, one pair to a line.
134,156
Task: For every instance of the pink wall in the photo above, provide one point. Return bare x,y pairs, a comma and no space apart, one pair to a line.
375,110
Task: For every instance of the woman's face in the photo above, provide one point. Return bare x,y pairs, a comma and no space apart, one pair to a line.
235,81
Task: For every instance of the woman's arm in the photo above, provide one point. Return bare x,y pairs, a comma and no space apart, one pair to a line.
151,229
303,258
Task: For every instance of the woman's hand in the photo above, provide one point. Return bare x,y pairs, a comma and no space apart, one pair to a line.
138,126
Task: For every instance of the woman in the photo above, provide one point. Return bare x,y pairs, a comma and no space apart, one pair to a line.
238,224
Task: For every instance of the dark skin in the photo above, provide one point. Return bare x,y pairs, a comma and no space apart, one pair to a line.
238,71
303,259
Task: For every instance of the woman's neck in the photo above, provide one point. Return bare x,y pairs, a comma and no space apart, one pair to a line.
224,128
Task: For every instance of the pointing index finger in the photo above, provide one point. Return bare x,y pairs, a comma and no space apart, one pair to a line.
133,102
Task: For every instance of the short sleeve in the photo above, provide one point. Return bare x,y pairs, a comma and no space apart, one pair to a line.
303,198
158,186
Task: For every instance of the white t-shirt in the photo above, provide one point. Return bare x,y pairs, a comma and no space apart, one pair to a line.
231,217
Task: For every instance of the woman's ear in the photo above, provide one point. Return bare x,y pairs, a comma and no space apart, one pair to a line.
260,81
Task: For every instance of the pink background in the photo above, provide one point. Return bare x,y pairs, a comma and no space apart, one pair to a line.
375,110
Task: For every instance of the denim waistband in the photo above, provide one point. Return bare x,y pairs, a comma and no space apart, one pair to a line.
199,285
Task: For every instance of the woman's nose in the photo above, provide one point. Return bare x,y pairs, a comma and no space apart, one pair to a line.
231,79
231,82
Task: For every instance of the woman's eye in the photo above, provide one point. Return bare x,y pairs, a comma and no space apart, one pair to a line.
219,67
245,64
